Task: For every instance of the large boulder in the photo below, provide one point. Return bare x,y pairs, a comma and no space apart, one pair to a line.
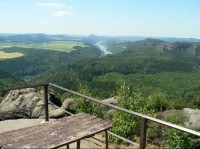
193,123
193,117
68,104
28,103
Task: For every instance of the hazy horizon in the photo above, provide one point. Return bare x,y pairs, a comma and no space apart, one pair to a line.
143,18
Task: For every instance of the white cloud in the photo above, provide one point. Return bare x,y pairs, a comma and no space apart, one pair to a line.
53,5
62,13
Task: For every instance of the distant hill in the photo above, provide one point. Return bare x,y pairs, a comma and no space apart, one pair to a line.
95,38
173,39
25,38
41,38
155,45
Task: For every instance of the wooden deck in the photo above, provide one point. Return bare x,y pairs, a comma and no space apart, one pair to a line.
55,134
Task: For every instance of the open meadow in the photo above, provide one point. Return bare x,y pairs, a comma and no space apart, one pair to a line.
64,46
4,55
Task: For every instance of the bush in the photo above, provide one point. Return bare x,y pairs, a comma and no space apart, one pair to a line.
157,102
154,133
196,103
176,104
87,106
176,118
177,139
125,124
174,138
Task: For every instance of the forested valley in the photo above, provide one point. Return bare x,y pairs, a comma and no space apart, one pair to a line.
147,75
149,65
145,66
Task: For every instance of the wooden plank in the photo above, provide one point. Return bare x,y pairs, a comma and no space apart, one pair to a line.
57,132
77,131
23,132
54,134
64,134
23,135
84,134
79,135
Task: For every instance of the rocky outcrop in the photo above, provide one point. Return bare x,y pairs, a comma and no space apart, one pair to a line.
28,103
193,117
193,123
190,118
68,104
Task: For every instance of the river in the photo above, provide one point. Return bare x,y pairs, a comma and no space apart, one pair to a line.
103,48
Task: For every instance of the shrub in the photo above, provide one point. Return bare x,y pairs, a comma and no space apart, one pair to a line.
157,102
196,103
176,118
87,106
125,124
175,138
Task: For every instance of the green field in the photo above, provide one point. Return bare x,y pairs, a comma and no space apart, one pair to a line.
4,55
65,46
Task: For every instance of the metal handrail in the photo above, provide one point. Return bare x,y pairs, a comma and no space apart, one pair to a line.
144,118
130,112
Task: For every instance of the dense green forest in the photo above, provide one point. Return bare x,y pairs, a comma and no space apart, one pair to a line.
143,65
8,80
147,76
148,65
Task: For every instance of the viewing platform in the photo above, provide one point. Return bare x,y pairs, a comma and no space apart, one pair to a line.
74,128
57,133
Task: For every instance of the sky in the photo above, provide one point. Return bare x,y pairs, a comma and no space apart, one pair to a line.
152,18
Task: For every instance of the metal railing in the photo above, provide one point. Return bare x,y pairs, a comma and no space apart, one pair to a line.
144,118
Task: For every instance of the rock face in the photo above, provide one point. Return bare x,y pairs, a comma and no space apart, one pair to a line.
28,103
193,117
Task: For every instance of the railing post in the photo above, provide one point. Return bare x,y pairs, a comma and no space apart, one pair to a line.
143,133
46,104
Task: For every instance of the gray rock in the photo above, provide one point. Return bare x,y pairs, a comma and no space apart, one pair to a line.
57,113
193,117
66,105
111,100
27,103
